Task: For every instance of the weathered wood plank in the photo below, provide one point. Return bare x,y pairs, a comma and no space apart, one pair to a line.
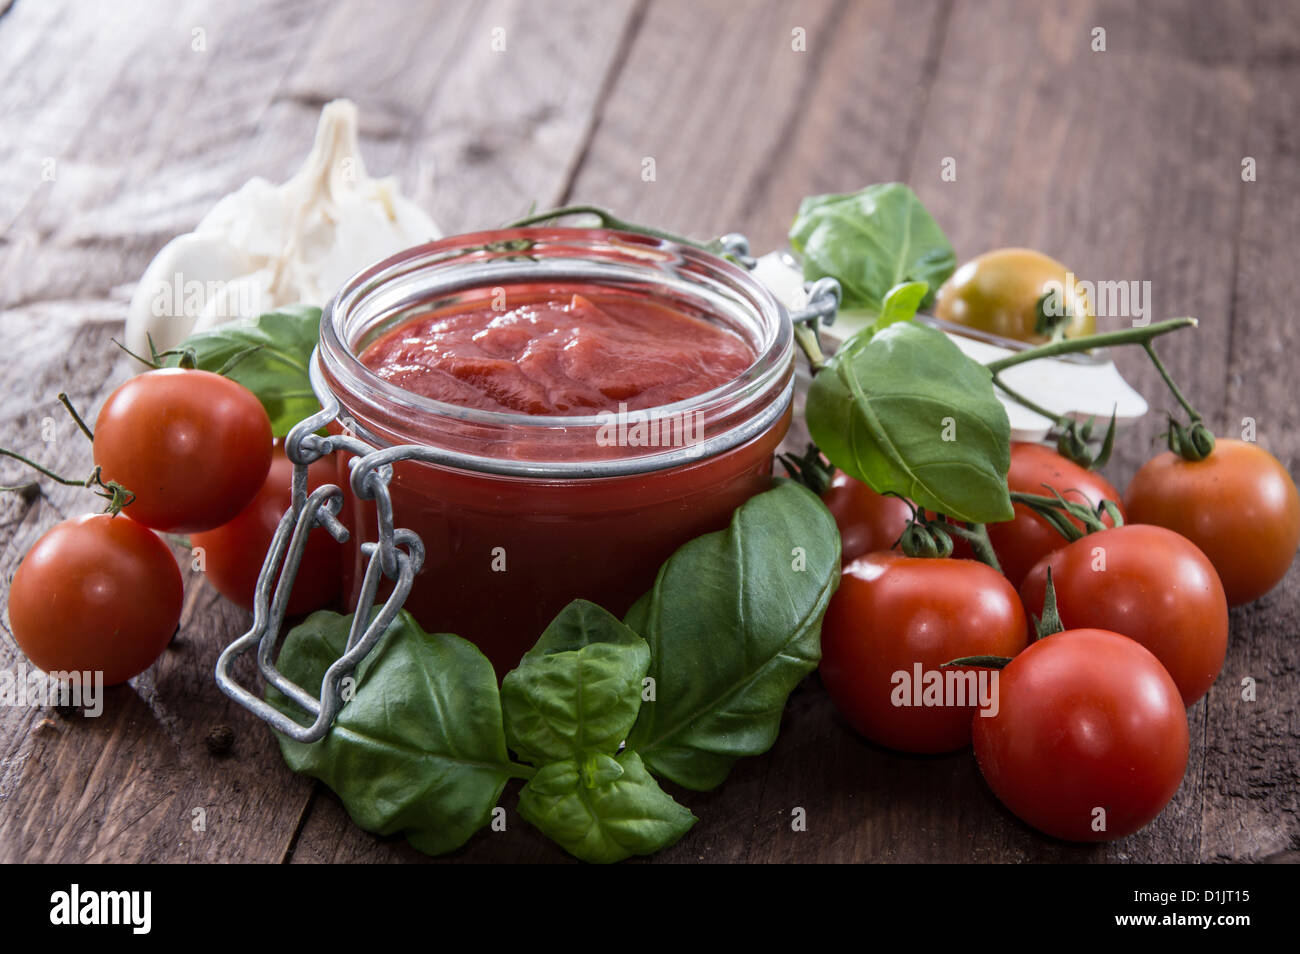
1126,164
716,130
741,126
125,786
491,132
1252,773
163,136
1120,163
1033,118
1127,212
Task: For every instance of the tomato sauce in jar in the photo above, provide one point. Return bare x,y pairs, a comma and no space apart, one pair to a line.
597,399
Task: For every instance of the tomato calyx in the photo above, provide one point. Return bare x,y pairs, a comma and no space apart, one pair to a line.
1046,625
925,539
931,537
1050,621
811,469
1073,438
1195,441
978,662
1057,512
1052,316
1074,442
1192,443
117,496
187,358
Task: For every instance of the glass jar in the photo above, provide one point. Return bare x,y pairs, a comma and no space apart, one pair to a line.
531,512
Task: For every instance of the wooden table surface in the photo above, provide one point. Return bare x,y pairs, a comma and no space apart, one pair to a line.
122,123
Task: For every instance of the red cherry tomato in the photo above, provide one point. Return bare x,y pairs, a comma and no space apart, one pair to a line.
1089,741
1023,541
868,521
96,593
1239,505
893,613
233,553
192,446
1149,584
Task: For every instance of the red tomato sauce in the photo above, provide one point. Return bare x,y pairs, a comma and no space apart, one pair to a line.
574,354
504,554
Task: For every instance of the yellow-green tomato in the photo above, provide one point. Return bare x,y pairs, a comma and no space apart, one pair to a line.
1002,292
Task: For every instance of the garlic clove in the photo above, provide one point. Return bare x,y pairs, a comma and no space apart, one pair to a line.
239,298
175,289
265,245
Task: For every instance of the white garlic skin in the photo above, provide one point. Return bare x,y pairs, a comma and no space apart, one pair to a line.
265,245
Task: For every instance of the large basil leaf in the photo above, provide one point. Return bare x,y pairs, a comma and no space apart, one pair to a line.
603,809
733,623
420,748
268,355
871,241
905,411
578,689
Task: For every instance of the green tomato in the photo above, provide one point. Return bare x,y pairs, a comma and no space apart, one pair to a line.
1003,292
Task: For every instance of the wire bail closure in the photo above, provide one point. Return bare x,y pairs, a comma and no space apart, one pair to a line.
397,554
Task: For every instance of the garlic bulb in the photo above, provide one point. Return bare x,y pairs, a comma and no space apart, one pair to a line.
267,245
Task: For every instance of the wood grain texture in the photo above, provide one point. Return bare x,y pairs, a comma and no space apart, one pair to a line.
157,131
1251,773
1124,163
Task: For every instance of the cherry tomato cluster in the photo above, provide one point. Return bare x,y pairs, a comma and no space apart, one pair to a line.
194,454
1085,734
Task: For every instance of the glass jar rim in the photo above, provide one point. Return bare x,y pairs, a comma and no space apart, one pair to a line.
478,261
339,355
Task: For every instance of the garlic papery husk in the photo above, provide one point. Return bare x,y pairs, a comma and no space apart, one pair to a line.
265,245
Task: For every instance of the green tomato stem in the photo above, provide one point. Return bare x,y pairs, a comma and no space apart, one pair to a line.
610,221
806,337
1173,388
67,403
1056,510
977,536
1075,345
116,495
981,662
1056,419
66,481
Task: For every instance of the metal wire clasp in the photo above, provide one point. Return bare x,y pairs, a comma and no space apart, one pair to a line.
398,554
823,296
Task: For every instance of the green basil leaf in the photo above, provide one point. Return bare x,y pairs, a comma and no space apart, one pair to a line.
578,690
901,304
419,749
871,241
734,623
268,355
905,411
605,811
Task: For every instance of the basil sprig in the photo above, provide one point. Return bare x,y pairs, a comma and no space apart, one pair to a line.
905,411
734,623
568,708
593,709
395,756
871,241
